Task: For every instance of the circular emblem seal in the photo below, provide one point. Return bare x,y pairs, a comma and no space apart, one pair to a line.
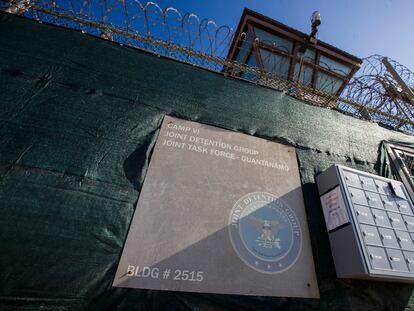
265,232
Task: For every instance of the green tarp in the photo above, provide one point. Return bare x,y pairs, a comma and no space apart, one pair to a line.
78,120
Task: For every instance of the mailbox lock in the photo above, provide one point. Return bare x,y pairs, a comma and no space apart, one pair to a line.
408,223
378,217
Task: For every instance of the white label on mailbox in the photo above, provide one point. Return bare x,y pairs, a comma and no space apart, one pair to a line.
334,209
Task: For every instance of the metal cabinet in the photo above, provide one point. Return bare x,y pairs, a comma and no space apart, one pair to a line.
374,200
409,222
370,225
397,221
403,206
378,258
388,237
364,215
405,240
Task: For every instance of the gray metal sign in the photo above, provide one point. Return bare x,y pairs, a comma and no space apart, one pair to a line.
219,212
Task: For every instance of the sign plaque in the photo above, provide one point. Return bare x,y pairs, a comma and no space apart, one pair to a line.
334,209
219,212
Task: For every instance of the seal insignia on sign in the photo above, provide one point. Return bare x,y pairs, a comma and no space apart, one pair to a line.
265,232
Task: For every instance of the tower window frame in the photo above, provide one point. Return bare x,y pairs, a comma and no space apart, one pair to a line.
285,43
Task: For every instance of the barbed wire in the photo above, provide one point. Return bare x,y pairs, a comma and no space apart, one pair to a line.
201,42
376,86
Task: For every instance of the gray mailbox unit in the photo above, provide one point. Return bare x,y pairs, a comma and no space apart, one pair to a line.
370,224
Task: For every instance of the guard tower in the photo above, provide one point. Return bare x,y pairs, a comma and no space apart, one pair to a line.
290,54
